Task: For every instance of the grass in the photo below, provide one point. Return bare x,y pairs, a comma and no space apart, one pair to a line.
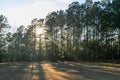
60,71
103,65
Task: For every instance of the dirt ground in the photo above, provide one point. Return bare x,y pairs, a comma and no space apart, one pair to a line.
57,71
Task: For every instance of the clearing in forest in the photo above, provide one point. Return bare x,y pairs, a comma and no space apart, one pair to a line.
59,71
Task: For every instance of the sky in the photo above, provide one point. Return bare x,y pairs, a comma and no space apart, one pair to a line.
21,12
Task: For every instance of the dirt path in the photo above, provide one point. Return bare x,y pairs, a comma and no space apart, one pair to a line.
56,71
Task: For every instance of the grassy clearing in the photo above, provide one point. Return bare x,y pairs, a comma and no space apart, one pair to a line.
103,65
59,71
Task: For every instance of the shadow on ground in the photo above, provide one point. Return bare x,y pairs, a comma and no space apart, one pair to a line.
53,71
21,71
78,72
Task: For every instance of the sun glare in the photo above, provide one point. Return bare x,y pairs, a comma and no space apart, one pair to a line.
39,31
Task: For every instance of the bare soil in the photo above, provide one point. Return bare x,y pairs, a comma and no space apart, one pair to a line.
58,71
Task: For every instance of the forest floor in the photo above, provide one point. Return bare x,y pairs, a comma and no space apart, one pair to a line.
59,71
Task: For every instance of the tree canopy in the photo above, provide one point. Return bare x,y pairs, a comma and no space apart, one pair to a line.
83,32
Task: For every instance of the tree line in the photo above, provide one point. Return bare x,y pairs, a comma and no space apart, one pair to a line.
83,32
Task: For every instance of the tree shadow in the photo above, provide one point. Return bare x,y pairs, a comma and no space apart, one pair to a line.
38,72
14,71
83,73
21,71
